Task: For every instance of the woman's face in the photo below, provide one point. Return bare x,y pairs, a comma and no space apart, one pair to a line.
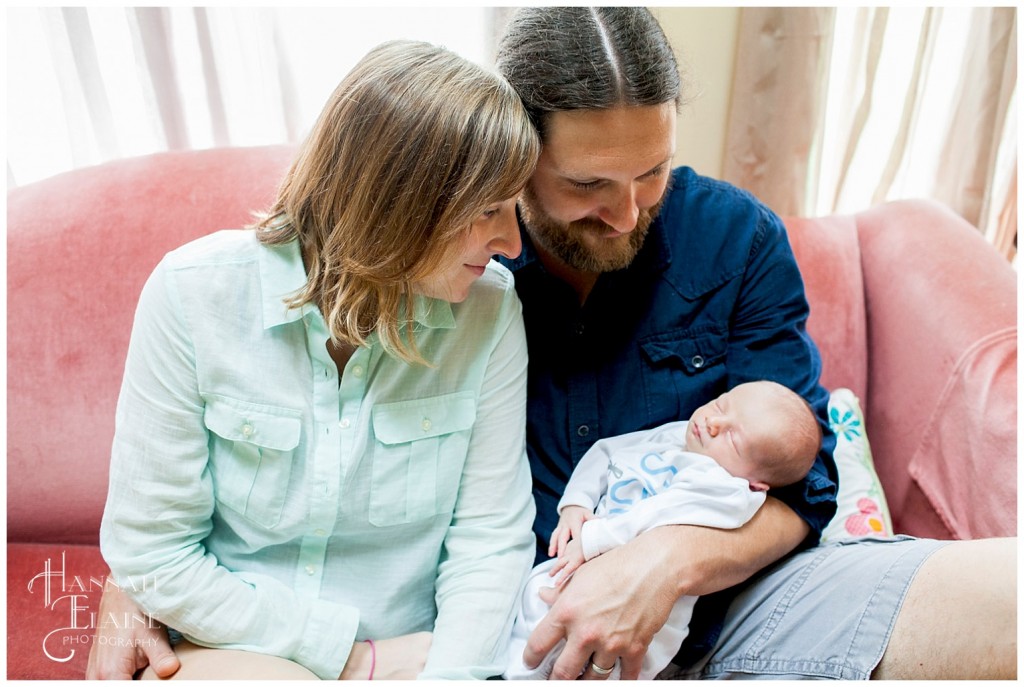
495,232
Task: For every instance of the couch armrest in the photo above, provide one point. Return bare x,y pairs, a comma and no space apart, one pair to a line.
942,362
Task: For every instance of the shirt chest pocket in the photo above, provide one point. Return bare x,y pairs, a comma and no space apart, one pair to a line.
682,369
418,456
251,453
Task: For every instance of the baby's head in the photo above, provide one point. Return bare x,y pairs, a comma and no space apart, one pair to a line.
760,431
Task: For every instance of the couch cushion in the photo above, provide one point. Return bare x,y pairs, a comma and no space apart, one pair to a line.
862,509
80,246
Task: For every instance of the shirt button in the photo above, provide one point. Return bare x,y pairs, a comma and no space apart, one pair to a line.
344,424
320,532
580,329
583,430
357,370
425,424
310,570
247,430
697,361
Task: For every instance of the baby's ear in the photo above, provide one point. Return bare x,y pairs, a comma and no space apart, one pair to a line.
758,486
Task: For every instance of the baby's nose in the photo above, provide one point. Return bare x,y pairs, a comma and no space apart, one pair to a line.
712,425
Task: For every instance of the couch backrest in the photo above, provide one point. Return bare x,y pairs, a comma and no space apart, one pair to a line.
80,246
828,253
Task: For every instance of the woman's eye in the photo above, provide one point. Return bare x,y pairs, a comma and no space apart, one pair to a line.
584,185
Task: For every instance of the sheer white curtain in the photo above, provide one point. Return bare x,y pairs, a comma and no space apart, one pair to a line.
90,84
837,109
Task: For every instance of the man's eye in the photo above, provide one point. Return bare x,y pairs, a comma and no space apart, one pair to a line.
654,172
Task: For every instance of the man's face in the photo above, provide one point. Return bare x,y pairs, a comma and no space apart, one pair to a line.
599,183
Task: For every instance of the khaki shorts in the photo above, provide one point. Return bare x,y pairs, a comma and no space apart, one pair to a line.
825,613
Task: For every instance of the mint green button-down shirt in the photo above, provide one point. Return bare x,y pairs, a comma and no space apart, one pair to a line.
257,502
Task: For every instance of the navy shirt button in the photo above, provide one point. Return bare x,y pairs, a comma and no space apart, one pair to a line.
579,329
697,361
583,430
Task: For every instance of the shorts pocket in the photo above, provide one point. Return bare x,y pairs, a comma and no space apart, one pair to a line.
251,451
418,455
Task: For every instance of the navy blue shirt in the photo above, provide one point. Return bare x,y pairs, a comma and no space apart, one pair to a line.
713,299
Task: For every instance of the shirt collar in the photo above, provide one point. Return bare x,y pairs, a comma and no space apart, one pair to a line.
433,313
282,276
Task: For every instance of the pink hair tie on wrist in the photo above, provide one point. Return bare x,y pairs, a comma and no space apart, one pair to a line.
373,657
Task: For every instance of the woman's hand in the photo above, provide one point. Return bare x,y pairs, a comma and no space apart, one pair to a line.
398,658
120,649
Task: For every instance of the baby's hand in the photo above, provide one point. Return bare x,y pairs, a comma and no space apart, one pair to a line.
570,525
568,562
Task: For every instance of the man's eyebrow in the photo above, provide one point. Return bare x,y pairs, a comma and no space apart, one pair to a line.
575,175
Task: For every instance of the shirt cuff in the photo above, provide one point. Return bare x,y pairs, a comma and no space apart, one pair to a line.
328,638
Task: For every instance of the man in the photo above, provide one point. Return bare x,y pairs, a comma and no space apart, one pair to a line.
647,292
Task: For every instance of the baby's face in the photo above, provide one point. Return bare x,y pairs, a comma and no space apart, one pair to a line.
733,428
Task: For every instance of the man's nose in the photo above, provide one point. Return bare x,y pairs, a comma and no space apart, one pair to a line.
621,212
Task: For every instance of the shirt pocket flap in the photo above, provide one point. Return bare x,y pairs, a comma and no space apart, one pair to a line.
692,351
404,421
278,429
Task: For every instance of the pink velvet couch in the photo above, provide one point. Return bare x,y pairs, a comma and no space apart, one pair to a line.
912,310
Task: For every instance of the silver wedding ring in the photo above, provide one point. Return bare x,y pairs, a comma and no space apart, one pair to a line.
598,670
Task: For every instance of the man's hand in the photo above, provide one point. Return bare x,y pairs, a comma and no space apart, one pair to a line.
570,524
613,606
609,611
120,649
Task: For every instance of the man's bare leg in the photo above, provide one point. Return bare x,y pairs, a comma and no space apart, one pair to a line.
959,619
201,663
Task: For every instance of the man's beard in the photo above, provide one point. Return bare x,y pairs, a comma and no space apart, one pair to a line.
581,244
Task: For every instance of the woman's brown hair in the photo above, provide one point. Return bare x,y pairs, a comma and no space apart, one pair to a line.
411,147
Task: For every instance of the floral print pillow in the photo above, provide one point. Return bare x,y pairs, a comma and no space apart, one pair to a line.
862,510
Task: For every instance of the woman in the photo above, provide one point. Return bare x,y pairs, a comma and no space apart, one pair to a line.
320,453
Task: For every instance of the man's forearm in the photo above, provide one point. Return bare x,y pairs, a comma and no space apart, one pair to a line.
706,560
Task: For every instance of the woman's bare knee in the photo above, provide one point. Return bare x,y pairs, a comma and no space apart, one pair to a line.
202,663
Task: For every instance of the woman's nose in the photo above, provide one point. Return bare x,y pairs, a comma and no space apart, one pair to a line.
506,240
